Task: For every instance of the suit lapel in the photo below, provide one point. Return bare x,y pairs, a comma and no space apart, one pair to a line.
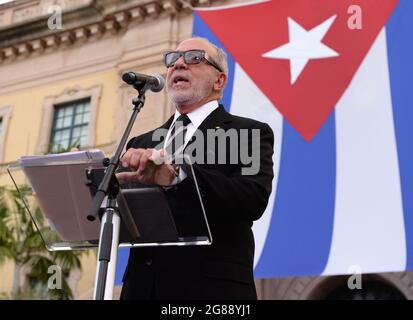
217,119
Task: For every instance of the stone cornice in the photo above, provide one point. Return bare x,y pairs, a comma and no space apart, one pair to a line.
82,20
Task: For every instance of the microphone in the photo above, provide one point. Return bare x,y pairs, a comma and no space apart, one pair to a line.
143,81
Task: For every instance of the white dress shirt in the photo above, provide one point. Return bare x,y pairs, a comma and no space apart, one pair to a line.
197,117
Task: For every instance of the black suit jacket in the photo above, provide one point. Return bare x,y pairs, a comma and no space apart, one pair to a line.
223,270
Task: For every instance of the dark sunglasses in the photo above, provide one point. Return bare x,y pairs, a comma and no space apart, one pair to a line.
190,57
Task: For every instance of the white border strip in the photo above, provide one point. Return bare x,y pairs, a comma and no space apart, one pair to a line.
368,233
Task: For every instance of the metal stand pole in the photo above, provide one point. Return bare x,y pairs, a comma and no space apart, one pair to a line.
110,225
107,254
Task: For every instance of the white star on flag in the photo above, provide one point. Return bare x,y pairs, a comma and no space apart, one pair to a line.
303,46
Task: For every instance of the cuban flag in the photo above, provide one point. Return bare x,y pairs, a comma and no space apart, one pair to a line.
338,94
333,80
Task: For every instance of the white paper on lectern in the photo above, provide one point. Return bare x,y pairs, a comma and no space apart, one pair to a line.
59,183
80,156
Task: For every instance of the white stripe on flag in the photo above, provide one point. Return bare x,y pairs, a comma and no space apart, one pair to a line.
248,101
368,224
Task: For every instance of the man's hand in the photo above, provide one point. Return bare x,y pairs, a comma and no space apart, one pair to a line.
149,166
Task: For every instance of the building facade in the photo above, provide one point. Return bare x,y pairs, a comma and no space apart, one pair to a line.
61,63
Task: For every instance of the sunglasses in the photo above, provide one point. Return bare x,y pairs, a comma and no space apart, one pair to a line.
190,57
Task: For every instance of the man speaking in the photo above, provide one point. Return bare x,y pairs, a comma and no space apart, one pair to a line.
234,193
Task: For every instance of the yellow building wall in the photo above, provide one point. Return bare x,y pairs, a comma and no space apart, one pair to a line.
6,279
22,138
25,123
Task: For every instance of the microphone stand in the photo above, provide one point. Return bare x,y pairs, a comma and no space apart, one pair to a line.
110,223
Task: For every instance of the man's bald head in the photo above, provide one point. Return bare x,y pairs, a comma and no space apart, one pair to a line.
217,54
191,85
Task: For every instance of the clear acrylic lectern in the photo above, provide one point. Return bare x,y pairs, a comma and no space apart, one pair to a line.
149,215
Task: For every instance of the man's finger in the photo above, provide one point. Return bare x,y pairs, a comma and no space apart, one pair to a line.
136,158
146,156
124,177
143,161
126,158
159,156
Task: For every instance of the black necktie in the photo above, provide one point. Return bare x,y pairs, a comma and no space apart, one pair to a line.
176,141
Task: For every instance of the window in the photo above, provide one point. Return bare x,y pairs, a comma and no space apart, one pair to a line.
68,98
70,125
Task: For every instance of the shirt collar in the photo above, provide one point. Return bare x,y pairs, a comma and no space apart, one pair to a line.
199,114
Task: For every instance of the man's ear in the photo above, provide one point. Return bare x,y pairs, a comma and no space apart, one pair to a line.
220,81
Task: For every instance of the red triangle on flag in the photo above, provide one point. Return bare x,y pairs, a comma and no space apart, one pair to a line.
304,91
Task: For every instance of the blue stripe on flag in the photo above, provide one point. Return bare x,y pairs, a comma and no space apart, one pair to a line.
300,234
123,255
400,52
200,29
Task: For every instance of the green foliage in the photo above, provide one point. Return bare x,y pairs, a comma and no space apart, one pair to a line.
21,242
57,148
